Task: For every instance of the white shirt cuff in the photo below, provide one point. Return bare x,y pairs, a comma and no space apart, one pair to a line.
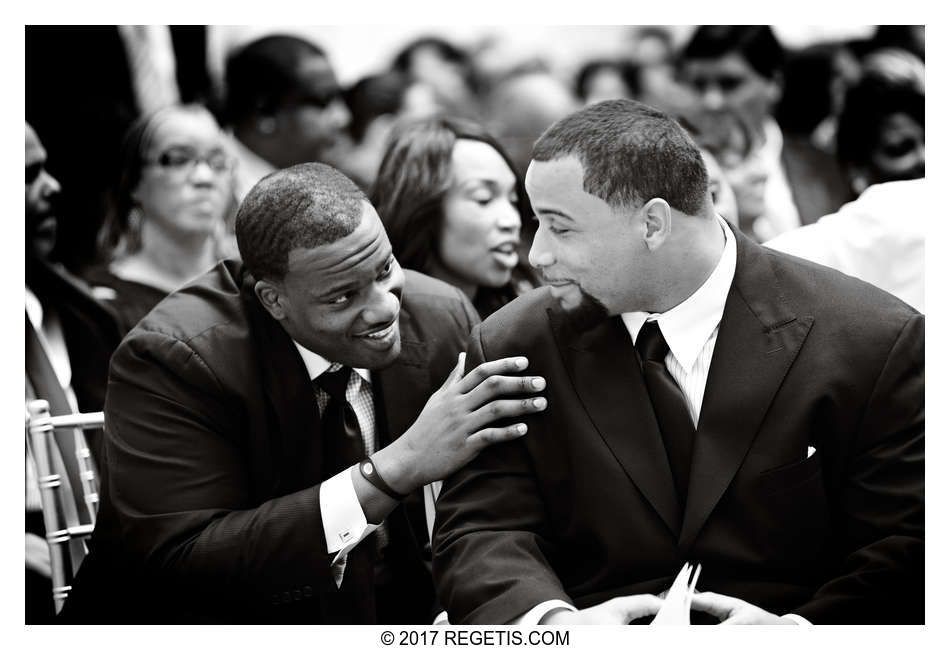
534,615
344,523
798,620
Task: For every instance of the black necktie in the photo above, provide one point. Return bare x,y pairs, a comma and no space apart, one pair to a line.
669,405
342,439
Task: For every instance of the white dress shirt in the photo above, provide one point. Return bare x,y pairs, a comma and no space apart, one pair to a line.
344,523
50,334
879,238
690,329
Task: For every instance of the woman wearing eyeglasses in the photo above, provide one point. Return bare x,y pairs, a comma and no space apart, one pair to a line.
167,221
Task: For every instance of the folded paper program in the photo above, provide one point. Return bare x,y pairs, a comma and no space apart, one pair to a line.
679,598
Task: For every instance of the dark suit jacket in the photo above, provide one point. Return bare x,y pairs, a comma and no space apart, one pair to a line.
210,506
583,508
90,330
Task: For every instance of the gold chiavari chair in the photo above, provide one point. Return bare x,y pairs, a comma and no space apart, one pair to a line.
68,520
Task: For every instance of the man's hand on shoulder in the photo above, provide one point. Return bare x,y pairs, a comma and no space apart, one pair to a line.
616,611
735,611
454,424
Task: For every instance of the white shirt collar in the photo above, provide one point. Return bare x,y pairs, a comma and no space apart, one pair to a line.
317,365
687,326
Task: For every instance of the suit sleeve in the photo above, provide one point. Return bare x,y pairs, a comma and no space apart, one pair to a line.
182,493
492,539
881,501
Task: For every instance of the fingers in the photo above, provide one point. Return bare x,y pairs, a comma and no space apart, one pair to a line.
477,375
722,607
631,608
456,373
506,408
490,436
502,386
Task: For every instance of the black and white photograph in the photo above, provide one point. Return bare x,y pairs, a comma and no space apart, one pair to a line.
449,332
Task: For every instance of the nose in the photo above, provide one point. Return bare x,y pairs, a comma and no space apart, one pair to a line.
540,255
712,98
202,173
382,307
50,186
340,115
509,219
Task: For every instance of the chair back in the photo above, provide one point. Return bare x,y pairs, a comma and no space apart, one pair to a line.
63,479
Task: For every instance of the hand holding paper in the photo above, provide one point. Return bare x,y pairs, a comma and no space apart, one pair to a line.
679,597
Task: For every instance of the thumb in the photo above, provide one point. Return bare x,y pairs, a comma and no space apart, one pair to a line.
456,373
638,606
459,369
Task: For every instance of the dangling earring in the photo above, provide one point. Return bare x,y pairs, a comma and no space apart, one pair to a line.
133,232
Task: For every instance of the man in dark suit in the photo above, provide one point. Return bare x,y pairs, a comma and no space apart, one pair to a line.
69,337
234,488
712,401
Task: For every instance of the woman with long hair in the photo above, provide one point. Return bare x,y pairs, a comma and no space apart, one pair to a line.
452,204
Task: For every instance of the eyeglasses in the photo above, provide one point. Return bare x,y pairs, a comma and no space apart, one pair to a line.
183,160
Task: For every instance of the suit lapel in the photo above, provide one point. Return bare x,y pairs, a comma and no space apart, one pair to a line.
296,438
604,369
403,383
759,338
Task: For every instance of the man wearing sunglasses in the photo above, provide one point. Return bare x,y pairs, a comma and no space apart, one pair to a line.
284,105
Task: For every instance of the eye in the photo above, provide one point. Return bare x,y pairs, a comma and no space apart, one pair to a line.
728,84
219,161
342,299
388,269
176,158
557,231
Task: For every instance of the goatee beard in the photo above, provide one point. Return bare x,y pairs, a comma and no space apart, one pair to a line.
590,313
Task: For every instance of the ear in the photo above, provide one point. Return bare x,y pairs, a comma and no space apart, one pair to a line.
272,298
658,220
774,89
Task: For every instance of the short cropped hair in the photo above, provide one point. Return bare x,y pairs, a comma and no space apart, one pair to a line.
754,43
303,206
631,153
262,75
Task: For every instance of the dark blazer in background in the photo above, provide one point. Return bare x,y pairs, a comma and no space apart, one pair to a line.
210,506
583,508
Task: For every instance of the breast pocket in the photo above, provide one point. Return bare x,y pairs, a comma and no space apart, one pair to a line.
789,477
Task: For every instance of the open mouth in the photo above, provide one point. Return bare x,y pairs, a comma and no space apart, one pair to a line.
380,334
506,254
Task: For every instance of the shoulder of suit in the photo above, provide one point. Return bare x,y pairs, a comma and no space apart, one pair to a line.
423,292
211,303
819,289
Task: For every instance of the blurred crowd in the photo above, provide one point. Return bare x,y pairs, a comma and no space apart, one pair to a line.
137,158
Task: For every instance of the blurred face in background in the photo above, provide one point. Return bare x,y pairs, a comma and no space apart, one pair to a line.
724,199
186,182
899,151
478,240
606,83
312,121
41,190
730,83
747,177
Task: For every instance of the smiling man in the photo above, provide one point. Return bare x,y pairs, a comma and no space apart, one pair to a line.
269,426
712,402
